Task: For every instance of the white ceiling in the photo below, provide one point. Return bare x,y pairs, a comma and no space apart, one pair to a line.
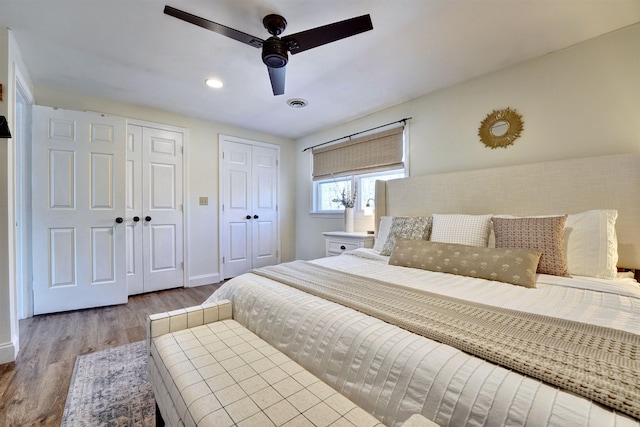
130,51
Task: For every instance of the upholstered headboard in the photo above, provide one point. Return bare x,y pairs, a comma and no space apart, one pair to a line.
558,187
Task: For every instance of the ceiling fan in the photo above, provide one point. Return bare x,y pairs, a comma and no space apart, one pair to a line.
275,49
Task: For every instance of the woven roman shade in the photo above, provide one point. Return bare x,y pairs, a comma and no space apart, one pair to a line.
372,153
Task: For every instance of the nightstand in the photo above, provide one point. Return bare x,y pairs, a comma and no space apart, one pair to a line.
338,242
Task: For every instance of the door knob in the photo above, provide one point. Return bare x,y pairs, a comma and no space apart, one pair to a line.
147,218
256,217
248,217
119,220
136,218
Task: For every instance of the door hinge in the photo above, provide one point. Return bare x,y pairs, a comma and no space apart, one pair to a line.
182,266
180,207
223,155
223,260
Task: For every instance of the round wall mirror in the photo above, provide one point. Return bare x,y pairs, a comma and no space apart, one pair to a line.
500,128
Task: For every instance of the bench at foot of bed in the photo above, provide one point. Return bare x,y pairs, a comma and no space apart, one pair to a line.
208,370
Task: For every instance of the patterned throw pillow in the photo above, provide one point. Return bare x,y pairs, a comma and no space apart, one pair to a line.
515,266
545,234
409,227
472,230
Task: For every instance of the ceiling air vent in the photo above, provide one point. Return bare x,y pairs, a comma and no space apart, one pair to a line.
297,103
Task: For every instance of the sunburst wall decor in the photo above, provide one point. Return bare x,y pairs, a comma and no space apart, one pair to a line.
500,128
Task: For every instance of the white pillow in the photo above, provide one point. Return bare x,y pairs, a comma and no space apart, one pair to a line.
590,243
383,232
461,229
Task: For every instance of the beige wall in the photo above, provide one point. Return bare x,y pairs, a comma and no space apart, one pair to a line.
10,65
201,173
8,343
578,102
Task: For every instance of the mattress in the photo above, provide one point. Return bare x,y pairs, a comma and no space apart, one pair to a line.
393,373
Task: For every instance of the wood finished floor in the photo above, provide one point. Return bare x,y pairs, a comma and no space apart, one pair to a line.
33,389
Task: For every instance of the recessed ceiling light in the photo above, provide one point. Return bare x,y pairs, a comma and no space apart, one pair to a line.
297,103
214,83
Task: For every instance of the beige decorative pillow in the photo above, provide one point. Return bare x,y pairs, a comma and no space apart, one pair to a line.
590,242
545,234
409,227
515,266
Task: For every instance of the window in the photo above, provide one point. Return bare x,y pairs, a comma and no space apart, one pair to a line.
325,191
356,164
367,185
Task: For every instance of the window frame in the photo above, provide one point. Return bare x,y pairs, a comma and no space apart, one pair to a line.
358,211
354,180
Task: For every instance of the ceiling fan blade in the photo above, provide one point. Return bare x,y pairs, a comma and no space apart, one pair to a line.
214,26
305,40
277,76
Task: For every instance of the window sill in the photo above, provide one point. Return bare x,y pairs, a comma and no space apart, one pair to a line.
332,215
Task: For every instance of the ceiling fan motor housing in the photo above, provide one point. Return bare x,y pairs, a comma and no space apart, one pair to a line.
274,53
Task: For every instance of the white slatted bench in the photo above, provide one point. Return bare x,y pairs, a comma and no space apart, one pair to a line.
208,370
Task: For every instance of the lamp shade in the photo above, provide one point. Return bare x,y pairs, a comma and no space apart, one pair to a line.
4,128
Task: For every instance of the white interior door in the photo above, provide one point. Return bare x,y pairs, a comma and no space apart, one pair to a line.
249,210
264,206
162,237
77,197
236,227
154,209
135,275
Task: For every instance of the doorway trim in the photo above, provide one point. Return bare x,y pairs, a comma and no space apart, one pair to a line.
22,193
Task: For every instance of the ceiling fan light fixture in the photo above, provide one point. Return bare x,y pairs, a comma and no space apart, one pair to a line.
297,103
214,83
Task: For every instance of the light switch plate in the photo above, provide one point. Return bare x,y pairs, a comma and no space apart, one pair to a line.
204,201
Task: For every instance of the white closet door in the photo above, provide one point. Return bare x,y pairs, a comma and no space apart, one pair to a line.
78,187
249,210
162,216
236,226
264,206
135,275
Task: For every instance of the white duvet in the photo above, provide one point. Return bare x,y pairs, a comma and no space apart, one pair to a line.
393,373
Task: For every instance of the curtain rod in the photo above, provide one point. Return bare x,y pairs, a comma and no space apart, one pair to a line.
358,133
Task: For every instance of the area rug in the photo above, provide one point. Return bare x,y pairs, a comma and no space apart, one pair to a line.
110,388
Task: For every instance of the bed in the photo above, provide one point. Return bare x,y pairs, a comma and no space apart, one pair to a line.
392,369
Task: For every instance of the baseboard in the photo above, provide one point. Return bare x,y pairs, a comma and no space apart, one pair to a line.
205,279
8,352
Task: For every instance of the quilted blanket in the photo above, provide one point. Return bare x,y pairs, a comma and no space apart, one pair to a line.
595,362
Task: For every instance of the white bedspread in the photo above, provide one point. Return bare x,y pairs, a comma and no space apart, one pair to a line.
393,373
